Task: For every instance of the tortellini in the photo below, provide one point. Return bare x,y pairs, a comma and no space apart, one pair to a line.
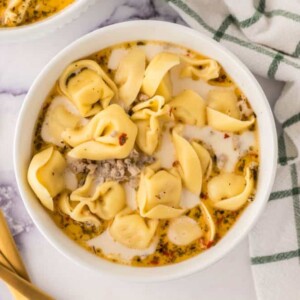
223,113
79,211
229,191
133,231
15,12
189,165
211,232
183,230
60,116
104,200
200,68
147,116
157,70
45,175
165,88
224,101
223,122
205,159
189,108
87,86
225,185
129,75
159,194
109,135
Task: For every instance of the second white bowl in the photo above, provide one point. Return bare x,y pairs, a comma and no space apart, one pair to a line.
41,28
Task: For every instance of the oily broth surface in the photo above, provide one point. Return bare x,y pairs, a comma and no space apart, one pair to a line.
166,252
38,10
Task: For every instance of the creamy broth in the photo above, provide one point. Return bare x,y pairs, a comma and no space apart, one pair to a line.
199,220
22,12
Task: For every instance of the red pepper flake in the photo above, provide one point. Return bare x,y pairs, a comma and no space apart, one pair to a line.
205,245
203,195
155,261
219,220
175,163
122,139
202,243
169,254
226,136
209,244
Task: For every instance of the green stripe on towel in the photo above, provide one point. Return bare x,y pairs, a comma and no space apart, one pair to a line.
274,65
283,13
281,150
297,50
262,50
284,194
259,11
296,201
225,24
258,260
291,121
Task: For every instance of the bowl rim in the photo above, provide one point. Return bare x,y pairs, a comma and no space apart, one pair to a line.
140,274
52,23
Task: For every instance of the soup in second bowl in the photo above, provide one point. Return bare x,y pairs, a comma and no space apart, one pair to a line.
22,12
145,153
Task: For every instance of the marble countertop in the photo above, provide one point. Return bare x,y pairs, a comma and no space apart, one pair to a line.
19,64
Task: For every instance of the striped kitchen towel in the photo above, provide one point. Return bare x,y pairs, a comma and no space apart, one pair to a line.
265,34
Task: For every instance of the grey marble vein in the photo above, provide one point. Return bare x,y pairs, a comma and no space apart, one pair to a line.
143,10
12,206
13,92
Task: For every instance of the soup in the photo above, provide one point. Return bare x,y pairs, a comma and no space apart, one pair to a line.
145,153
22,12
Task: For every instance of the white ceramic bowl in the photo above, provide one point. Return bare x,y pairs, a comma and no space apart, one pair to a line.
131,31
39,29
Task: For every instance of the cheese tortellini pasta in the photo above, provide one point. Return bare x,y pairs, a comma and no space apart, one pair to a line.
105,199
87,86
133,231
189,108
93,202
109,134
15,12
223,122
147,116
205,159
45,175
223,113
165,88
199,68
211,227
129,75
230,191
189,164
157,70
60,116
224,101
159,193
82,212
149,162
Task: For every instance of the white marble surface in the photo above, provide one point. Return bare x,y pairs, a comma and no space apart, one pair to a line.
19,64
